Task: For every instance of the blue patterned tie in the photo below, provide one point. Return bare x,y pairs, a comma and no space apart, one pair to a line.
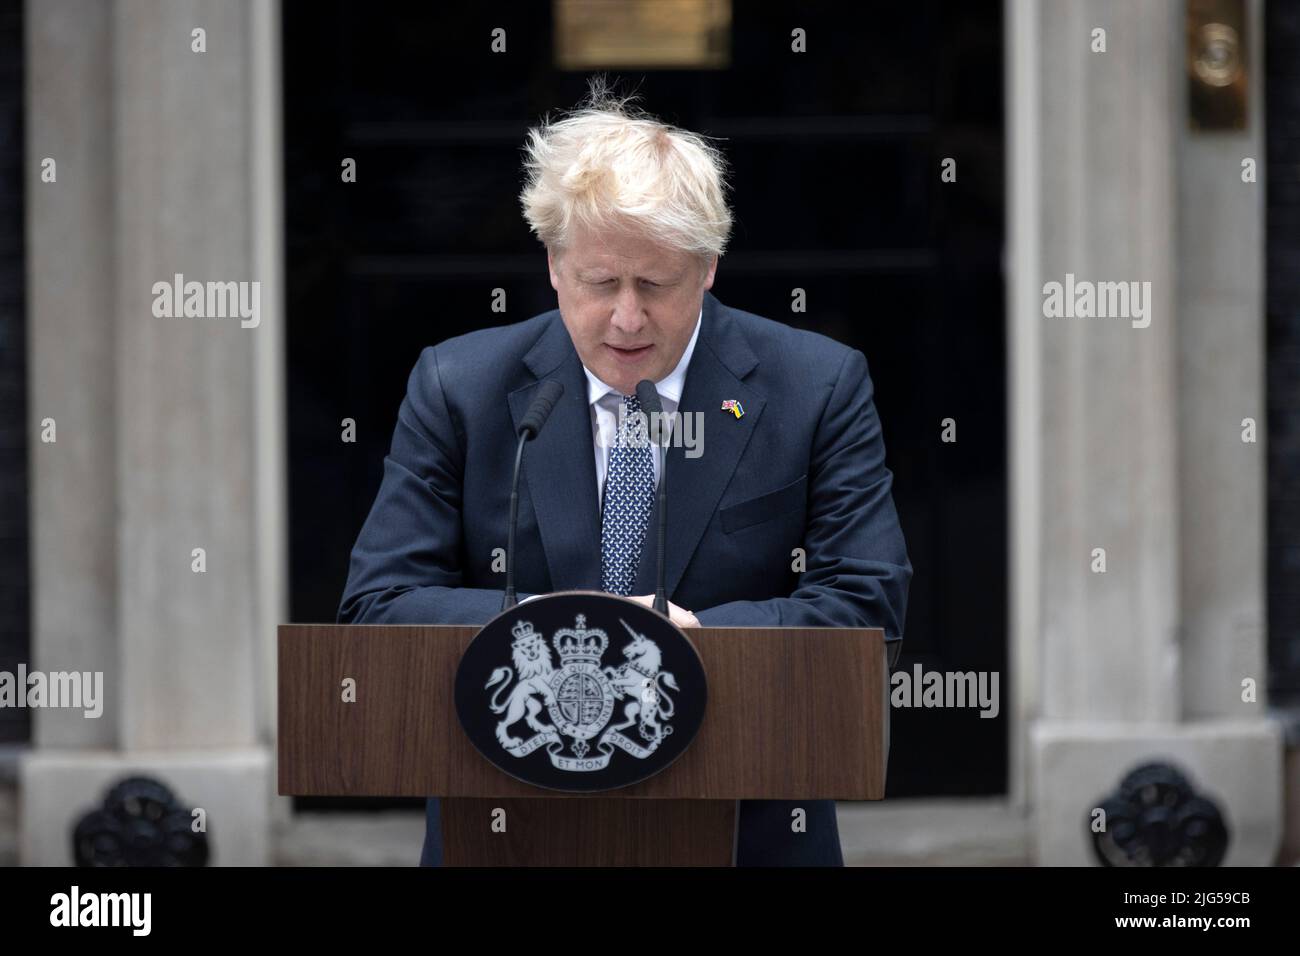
629,494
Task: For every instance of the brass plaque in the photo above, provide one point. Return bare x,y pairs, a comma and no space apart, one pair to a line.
624,34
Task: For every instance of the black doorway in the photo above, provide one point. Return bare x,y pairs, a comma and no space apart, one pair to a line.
836,155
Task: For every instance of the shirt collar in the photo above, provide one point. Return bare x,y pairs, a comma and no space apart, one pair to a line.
669,387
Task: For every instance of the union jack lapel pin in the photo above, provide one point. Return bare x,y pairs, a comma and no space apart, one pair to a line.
733,405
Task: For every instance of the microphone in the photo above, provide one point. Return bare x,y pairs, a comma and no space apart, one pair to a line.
543,402
548,393
648,396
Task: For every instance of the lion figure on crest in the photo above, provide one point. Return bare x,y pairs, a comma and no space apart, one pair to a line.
532,660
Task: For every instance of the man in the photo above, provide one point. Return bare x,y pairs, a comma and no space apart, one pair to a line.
788,452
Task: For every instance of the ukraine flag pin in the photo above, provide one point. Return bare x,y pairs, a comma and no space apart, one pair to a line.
733,406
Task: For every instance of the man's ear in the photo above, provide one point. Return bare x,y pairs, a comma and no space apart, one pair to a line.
711,269
550,267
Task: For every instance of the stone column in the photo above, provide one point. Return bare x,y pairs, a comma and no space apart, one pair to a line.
169,429
1127,439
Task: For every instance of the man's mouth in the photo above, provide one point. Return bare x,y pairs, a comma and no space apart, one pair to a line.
628,354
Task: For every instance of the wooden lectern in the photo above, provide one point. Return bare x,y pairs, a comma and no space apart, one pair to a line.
793,713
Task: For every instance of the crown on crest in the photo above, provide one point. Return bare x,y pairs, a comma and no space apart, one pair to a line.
523,632
580,644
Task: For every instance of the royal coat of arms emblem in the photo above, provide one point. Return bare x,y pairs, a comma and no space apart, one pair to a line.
580,691
581,695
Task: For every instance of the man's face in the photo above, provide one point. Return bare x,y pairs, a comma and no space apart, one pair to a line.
630,305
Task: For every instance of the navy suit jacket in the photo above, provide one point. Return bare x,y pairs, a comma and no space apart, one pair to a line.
804,467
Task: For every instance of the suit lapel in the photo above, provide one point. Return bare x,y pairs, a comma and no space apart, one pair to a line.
722,358
559,464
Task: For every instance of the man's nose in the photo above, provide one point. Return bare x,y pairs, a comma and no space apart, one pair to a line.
628,316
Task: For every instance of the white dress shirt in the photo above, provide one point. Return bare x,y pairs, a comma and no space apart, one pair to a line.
605,400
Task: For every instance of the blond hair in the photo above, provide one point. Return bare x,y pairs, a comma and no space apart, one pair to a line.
609,165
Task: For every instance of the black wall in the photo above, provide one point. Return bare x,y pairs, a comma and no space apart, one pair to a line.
15,613
1282,304
836,157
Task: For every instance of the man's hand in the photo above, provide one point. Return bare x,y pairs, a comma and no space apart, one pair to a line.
679,615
